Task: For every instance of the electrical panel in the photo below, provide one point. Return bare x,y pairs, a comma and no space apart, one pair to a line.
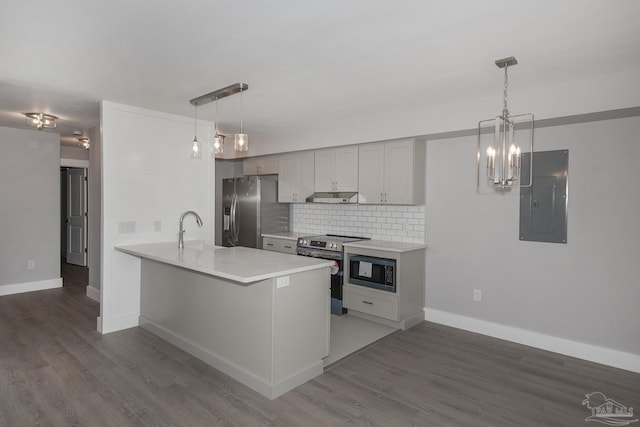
543,205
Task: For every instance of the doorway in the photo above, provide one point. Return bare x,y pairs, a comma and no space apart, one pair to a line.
73,215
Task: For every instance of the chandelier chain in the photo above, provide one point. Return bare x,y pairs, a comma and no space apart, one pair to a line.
506,83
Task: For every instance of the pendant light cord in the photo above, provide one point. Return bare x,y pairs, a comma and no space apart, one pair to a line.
241,113
195,123
215,125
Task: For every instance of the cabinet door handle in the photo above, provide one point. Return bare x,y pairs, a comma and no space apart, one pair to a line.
367,302
269,244
287,247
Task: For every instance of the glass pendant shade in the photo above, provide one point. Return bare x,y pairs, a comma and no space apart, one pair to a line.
218,144
241,142
195,149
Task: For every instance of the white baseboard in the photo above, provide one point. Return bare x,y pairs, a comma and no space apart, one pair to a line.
592,353
93,293
262,386
107,325
39,285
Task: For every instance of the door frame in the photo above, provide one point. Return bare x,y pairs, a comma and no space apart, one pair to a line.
84,164
77,218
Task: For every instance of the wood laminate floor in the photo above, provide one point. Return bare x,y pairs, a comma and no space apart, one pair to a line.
57,370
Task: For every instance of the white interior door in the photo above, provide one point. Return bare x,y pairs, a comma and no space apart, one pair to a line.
77,216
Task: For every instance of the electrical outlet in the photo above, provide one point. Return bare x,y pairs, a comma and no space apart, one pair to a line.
157,225
282,282
477,295
31,264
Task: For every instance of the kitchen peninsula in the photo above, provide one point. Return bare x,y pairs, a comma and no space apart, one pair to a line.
260,317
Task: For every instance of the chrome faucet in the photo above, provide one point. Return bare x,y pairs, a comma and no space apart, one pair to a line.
181,228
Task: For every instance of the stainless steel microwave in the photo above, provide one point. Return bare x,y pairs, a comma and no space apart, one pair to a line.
373,272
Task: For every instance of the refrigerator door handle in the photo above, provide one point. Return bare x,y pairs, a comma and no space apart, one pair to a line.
234,219
232,215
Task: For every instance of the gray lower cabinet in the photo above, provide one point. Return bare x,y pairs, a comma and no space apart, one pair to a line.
270,336
403,308
284,245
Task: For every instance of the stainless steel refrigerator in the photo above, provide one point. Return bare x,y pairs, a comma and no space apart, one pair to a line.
249,208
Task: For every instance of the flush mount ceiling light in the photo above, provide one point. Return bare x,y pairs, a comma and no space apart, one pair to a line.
241,142
40,120
84,141
504,134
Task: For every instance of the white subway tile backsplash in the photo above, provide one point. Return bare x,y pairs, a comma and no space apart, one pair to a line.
380,222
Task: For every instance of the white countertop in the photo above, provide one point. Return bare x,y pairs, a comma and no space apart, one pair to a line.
289,235
244,265
383,245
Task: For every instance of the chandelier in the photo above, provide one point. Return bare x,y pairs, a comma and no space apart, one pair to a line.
505,133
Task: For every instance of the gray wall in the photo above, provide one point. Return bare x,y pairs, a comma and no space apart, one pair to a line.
30,205
224,169
77,153
94,208
586,290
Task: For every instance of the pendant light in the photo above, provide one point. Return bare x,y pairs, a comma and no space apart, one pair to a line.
195,145
217,146
241,141
218,139
506,133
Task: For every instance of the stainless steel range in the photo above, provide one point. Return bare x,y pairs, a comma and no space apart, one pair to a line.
329,246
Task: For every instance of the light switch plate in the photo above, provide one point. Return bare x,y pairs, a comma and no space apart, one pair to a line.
126,227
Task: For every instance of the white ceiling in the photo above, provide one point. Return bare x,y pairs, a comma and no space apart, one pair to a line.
305,62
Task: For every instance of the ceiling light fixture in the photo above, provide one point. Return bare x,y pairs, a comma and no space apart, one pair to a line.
241,139
85,142
506,171
195,144
40,120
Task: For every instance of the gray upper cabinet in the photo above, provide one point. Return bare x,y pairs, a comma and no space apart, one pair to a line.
295,177
336,169
392,172
264,165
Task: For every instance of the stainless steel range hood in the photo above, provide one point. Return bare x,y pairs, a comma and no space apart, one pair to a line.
338,197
